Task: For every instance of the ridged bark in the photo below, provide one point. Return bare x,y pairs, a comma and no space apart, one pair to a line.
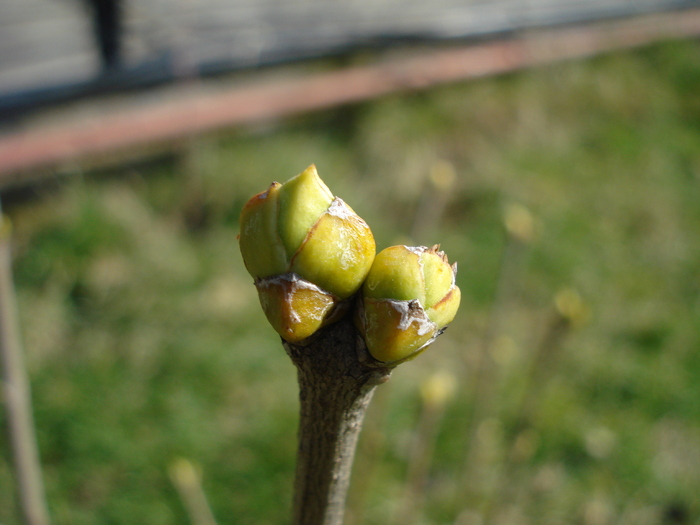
335,388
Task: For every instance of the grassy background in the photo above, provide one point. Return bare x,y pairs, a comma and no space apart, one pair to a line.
566,391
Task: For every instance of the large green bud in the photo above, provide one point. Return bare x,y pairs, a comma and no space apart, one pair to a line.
307,250
408,298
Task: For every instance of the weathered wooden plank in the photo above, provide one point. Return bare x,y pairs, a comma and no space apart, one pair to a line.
44,42
173,114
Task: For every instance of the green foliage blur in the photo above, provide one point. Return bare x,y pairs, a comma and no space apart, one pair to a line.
567,390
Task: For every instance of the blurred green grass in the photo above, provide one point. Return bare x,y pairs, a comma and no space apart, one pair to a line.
145,342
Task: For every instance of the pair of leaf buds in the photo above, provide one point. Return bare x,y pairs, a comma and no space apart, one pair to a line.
310,253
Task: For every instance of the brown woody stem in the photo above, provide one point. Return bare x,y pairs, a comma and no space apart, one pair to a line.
335,388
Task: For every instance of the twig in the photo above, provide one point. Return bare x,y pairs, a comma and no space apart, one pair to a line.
187,481
17,396
335,388
436,391
568,314
519,230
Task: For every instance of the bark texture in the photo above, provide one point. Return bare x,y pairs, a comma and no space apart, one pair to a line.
335,387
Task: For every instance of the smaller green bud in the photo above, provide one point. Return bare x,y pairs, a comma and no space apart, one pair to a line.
408,298
307,251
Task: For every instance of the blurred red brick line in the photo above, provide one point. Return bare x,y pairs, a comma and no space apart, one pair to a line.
42,147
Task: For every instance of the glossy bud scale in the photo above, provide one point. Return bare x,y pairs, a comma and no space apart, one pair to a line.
307,251
409,296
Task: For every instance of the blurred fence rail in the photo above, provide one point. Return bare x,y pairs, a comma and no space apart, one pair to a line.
30,144
48,49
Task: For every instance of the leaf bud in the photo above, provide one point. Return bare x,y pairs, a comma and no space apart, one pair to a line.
307,251
408,298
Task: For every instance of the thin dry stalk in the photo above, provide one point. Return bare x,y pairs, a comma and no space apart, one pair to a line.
187,480
436,392
542,368
519,232
17,396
